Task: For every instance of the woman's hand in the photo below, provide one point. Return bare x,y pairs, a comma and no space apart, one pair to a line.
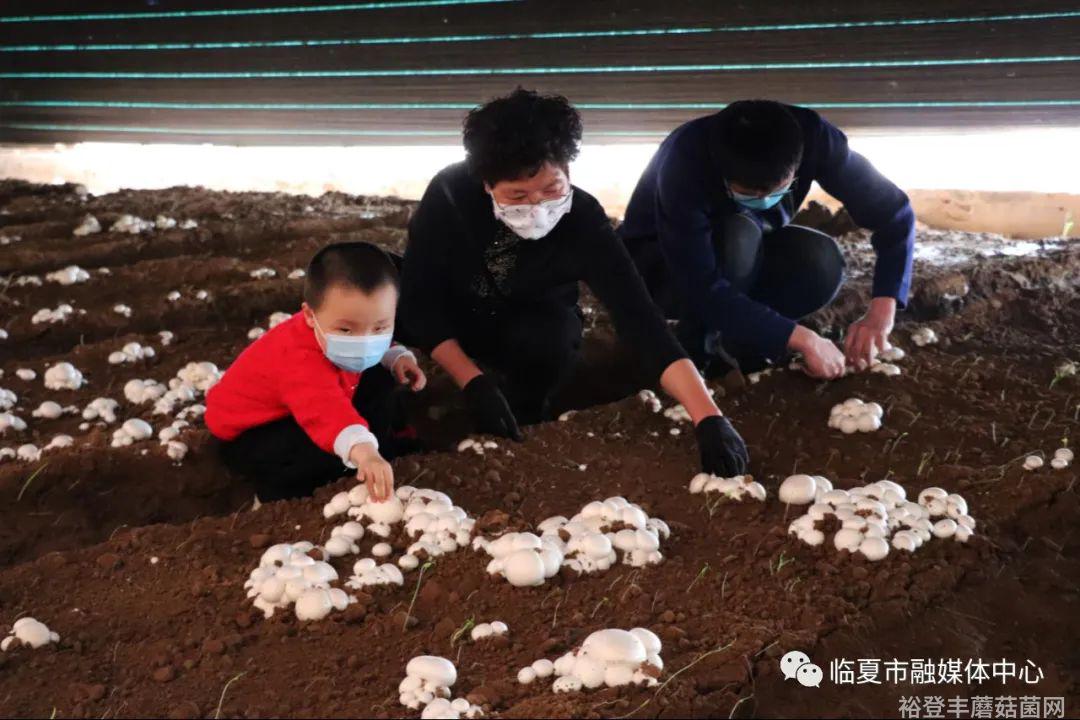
723,452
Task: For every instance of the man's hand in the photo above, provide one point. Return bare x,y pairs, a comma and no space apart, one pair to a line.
723,452
489,408
869,335
373,471
407,372
822,358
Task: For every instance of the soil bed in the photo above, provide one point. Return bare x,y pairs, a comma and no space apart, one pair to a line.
138,562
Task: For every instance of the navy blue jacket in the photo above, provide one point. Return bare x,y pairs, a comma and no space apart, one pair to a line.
681,200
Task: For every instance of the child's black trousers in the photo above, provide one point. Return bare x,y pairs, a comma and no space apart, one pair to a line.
283,462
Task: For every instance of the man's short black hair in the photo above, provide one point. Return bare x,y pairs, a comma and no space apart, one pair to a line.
759,143
513,136
357,265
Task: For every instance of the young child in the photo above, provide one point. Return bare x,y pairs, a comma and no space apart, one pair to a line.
309,399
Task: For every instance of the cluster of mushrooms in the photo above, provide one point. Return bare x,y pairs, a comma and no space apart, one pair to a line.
427,683
602,534
609,657
871,518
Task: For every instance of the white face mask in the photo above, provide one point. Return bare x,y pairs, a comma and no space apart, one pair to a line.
532,222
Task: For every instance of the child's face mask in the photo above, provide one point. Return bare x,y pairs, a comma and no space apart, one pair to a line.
354,353
532,222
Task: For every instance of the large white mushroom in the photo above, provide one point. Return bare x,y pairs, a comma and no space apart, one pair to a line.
132,431
611,657
31,632
427,677
63,376
798,489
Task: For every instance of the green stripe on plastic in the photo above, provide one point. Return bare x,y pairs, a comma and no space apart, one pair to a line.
140,105
228,12
469,106
569,70
51,127
569,35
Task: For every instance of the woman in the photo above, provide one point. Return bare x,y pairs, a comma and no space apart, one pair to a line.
495,253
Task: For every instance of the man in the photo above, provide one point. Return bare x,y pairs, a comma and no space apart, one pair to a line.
708,228
496,250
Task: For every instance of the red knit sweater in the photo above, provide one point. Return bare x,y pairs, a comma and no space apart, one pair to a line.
283,373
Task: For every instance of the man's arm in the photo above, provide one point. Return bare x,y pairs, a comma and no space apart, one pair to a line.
878,205
874,203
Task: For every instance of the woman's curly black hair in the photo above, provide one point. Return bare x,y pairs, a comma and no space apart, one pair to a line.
513,136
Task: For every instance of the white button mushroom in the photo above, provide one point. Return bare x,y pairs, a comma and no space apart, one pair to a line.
48,410
63,376
60,441
524,568
131,431
944,528
101,408
70,275
88,226
798,490
1033,462
31,632
905,540
874,548
28,453
313,604
924,336
131,224
10,420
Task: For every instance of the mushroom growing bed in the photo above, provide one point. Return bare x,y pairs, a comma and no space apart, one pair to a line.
136,556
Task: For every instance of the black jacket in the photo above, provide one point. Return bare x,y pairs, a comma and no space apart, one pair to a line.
446,277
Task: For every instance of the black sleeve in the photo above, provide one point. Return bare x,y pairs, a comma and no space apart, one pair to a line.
425,274
611,275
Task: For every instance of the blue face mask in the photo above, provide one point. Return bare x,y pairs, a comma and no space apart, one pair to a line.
753,202
355,353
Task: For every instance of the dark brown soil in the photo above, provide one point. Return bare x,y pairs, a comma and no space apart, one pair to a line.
178,637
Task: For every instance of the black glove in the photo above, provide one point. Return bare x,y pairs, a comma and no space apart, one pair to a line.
723,452
490,411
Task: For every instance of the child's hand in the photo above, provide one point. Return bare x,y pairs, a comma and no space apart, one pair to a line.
407,372
373,471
